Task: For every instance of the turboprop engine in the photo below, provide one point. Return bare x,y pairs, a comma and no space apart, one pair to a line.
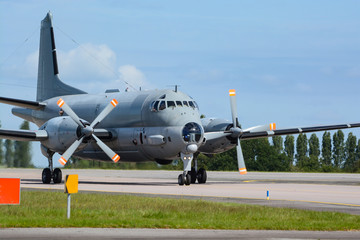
62,132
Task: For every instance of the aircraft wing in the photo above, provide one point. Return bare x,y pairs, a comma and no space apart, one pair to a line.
23,135
289,131
23,103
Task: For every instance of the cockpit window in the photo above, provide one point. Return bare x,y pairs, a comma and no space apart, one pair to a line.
191,104
185,103
179,104
163,96
162,105
171,104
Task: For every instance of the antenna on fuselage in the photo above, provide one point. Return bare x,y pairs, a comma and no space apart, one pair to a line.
176,87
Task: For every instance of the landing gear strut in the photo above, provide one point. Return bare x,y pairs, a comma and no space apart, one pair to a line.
50,173
190,174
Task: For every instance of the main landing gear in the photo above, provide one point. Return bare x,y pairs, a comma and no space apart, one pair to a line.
188,177
50,173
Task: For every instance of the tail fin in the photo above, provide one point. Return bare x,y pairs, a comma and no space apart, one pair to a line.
49,85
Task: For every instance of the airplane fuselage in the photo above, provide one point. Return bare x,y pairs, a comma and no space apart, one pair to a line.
146,125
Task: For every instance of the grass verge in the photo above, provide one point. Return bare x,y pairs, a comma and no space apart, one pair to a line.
48,209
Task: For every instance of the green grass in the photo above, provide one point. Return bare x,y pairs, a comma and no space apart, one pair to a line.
48,209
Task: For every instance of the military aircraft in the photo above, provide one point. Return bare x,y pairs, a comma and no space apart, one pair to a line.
155,125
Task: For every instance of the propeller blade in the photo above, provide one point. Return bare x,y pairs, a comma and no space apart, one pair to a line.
104,113
106,149
232,94
240,158
62,104
67,154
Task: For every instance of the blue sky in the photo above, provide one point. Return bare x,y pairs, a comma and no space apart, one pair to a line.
296,63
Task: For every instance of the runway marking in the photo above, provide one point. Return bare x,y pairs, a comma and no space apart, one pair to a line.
205,196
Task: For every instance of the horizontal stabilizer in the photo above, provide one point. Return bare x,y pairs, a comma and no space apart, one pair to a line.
289,131
23,135
23,103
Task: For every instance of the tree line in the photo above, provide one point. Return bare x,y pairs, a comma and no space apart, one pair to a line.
333,154
16,153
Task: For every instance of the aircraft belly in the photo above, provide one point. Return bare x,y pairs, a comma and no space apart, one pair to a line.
125,156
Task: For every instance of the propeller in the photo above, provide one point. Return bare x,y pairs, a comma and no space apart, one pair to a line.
87,131
236,130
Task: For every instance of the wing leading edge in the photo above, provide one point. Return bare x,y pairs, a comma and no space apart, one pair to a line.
289,131
23,135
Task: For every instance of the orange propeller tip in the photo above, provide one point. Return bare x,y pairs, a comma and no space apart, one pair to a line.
242,171
116,158
232,92
114,102
62,161
272,126
60,102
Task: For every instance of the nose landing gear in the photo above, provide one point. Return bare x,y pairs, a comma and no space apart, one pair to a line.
190,174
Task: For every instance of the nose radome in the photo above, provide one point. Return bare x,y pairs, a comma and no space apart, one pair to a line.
192,148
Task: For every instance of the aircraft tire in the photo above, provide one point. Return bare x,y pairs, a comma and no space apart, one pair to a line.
57,175
193,175
46,176
188,179
202,175
181,180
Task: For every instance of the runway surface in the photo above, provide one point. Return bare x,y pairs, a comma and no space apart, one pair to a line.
313,191
111,233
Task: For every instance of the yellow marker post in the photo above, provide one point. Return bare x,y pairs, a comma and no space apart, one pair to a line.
71,186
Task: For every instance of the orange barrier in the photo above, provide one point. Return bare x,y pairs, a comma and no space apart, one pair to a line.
9,190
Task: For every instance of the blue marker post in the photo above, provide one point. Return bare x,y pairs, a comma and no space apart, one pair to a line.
267,195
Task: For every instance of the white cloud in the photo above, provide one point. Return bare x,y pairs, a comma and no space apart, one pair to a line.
87,62
133,76
93,64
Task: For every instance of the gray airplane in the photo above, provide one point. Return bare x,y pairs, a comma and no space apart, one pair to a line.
156,125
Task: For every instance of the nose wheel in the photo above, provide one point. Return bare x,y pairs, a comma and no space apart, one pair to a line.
184,178
191,174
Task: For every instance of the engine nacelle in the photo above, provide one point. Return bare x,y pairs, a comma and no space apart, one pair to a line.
62,132
217,145
215,124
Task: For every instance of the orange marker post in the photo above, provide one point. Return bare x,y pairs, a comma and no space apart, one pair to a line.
10,191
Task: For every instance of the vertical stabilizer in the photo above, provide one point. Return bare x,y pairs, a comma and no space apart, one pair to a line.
49,85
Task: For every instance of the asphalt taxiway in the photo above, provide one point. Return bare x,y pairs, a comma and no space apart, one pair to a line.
111,233
313,191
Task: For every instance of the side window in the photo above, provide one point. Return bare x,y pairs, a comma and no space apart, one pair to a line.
154,106
191,104
162,105
171,104
185,103
196,105
179,104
